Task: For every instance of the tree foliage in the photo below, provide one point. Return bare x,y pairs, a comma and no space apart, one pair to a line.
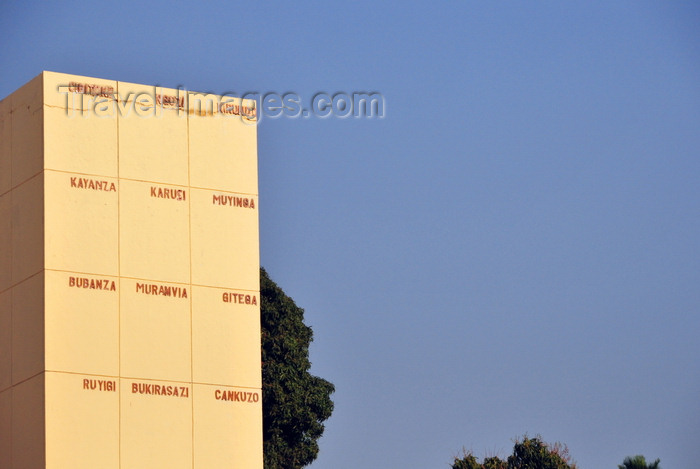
494,463
295,403
468,461
638,462
528,453
533,453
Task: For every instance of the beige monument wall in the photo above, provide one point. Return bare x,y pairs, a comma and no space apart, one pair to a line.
129,278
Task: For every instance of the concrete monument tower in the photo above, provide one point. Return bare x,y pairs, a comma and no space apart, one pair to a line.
129,278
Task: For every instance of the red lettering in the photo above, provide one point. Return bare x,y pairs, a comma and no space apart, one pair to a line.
239,298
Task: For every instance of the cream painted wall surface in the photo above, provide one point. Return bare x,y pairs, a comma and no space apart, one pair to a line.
129,336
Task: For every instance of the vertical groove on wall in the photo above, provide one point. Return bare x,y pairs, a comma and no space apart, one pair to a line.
119,292
12,306
189,225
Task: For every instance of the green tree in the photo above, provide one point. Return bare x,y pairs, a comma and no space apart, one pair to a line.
494,463
638,462
295,403
468,461
533,453
530,453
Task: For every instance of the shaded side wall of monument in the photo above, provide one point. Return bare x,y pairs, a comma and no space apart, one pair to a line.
129,291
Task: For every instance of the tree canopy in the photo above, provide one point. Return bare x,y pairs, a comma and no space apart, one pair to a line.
295,403
528,453
638,462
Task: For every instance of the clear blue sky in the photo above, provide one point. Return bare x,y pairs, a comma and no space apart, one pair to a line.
514,248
